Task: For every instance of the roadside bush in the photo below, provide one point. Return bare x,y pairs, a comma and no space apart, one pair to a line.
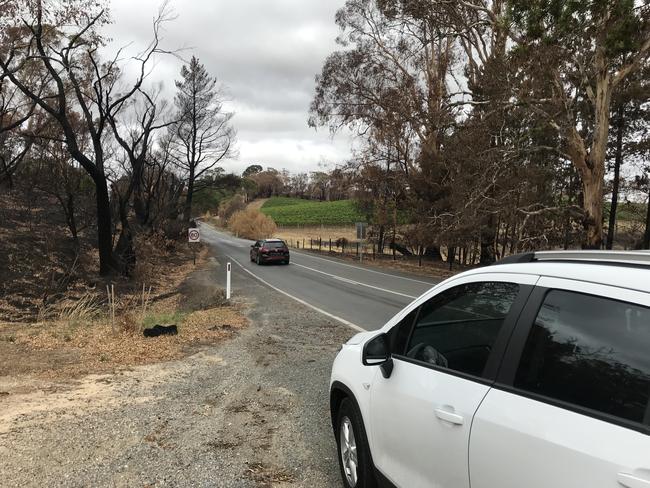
252,224
228,208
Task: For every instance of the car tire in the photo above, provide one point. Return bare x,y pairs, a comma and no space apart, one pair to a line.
258,260
286,261
353,451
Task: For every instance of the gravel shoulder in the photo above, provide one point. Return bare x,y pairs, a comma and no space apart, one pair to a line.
250,412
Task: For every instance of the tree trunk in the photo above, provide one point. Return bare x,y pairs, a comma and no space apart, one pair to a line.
124,252
591,164
593,207
646,237
620,128
139,205
187,212
433,253
72,221
488,235
7,174
104,228
380,239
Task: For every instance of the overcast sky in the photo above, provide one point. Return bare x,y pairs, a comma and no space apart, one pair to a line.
266,52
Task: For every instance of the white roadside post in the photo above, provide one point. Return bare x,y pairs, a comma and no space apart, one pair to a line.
228,272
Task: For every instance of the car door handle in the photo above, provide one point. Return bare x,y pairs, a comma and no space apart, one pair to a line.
451,417
631,481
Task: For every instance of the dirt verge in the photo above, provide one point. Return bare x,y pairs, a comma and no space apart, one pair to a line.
83,339
248,412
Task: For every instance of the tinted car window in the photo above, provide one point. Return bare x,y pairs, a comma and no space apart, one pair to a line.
400,333
592,352
274,245
457,328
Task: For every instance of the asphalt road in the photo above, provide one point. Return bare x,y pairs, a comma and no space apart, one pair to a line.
361,297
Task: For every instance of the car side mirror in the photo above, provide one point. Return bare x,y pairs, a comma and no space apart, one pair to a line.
376,352
252,245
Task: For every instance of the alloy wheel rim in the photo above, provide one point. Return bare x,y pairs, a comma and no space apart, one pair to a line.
349,452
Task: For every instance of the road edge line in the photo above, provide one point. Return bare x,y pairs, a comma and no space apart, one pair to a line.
299,300
336,260
353,282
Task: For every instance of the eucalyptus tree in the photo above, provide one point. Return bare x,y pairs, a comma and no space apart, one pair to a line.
393,81
586,50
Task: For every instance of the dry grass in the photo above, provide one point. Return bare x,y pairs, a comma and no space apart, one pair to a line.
80,339
297,234
299,237
98,350
251,224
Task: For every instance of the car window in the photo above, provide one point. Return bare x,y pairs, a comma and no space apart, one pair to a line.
400,333
457,328
592,352
274,245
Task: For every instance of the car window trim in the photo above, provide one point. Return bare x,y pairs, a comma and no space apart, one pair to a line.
493,363
512,357
572,407
441,369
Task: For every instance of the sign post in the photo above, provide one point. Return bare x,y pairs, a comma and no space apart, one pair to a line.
193,237
228,272
361,236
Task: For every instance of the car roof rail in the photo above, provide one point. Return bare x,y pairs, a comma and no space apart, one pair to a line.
527,257
639,258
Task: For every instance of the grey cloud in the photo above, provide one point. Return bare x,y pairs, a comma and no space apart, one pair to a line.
266,53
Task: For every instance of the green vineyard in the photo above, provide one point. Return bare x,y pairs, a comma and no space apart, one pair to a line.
294,212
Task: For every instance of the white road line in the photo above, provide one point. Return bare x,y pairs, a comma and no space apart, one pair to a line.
302,302
352,282
363,268
337,262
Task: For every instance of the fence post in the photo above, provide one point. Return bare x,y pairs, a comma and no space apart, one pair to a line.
357,248
374,255
320,242
330,244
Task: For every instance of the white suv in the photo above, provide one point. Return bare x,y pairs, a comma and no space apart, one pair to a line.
531,373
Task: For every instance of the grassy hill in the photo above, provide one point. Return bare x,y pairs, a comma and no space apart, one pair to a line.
295,211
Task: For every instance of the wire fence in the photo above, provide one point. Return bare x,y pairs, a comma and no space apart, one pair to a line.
359,250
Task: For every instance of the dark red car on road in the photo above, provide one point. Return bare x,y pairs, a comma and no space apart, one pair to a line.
270,251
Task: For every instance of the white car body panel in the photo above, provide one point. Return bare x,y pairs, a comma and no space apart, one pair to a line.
517,441
533,435
505,440
412,447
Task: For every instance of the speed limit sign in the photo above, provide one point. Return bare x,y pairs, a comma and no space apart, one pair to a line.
194,235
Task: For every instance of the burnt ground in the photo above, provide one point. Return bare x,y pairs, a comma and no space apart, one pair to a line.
37,255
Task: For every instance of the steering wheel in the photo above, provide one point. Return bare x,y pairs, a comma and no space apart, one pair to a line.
427,354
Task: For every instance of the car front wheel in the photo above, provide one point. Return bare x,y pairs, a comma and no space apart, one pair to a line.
354,454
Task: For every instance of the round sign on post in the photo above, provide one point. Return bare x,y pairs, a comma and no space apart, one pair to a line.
194,235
